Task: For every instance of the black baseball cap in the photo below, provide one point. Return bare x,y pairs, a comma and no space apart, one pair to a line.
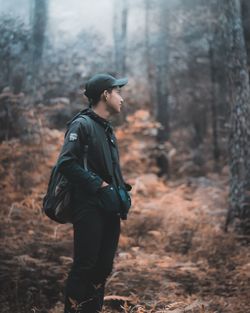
100,82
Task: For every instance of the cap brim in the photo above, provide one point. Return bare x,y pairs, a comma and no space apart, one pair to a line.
120,82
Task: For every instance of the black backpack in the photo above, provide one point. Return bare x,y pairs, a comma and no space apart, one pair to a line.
57,201
57,204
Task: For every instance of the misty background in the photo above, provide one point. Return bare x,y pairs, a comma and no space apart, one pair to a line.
184,60
184,139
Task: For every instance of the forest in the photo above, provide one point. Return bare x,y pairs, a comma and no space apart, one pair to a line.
184,142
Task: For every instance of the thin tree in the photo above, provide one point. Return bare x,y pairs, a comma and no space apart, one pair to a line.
162,59
245,5
214,106
120,34
39,14
148,4
217,73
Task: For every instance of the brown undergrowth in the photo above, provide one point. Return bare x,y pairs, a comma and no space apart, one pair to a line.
173,254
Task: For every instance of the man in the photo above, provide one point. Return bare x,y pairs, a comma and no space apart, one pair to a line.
100,196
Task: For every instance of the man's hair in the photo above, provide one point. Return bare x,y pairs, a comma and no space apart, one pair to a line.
94,101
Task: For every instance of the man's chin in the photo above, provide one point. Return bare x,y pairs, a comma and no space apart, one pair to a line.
114,111
117,110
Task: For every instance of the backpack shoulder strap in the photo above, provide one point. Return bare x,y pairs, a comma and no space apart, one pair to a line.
88,124
89,127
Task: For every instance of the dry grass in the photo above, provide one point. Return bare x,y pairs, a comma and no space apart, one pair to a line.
173,254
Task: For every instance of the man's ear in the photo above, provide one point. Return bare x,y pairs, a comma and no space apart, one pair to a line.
105,95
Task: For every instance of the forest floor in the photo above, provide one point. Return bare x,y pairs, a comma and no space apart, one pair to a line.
173,255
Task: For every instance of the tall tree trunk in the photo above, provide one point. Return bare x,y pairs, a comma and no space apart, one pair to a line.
149,63
162,72
147,44
239,142
214,105
39,22
120,34
245,5
218,43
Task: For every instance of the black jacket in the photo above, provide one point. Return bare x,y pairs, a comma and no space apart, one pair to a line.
102,159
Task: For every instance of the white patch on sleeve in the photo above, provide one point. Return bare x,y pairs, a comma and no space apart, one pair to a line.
73,137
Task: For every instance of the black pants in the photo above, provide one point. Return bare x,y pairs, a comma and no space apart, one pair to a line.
96,238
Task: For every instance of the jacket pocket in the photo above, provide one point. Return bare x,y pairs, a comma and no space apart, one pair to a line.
109,199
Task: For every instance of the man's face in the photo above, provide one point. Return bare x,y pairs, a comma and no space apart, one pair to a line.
114,101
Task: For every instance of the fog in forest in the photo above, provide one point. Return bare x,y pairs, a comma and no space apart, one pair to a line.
184,141
89,31
66,19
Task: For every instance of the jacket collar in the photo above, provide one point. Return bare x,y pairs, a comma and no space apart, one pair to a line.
102,121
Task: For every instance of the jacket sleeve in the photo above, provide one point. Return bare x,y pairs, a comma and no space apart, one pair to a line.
70,161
